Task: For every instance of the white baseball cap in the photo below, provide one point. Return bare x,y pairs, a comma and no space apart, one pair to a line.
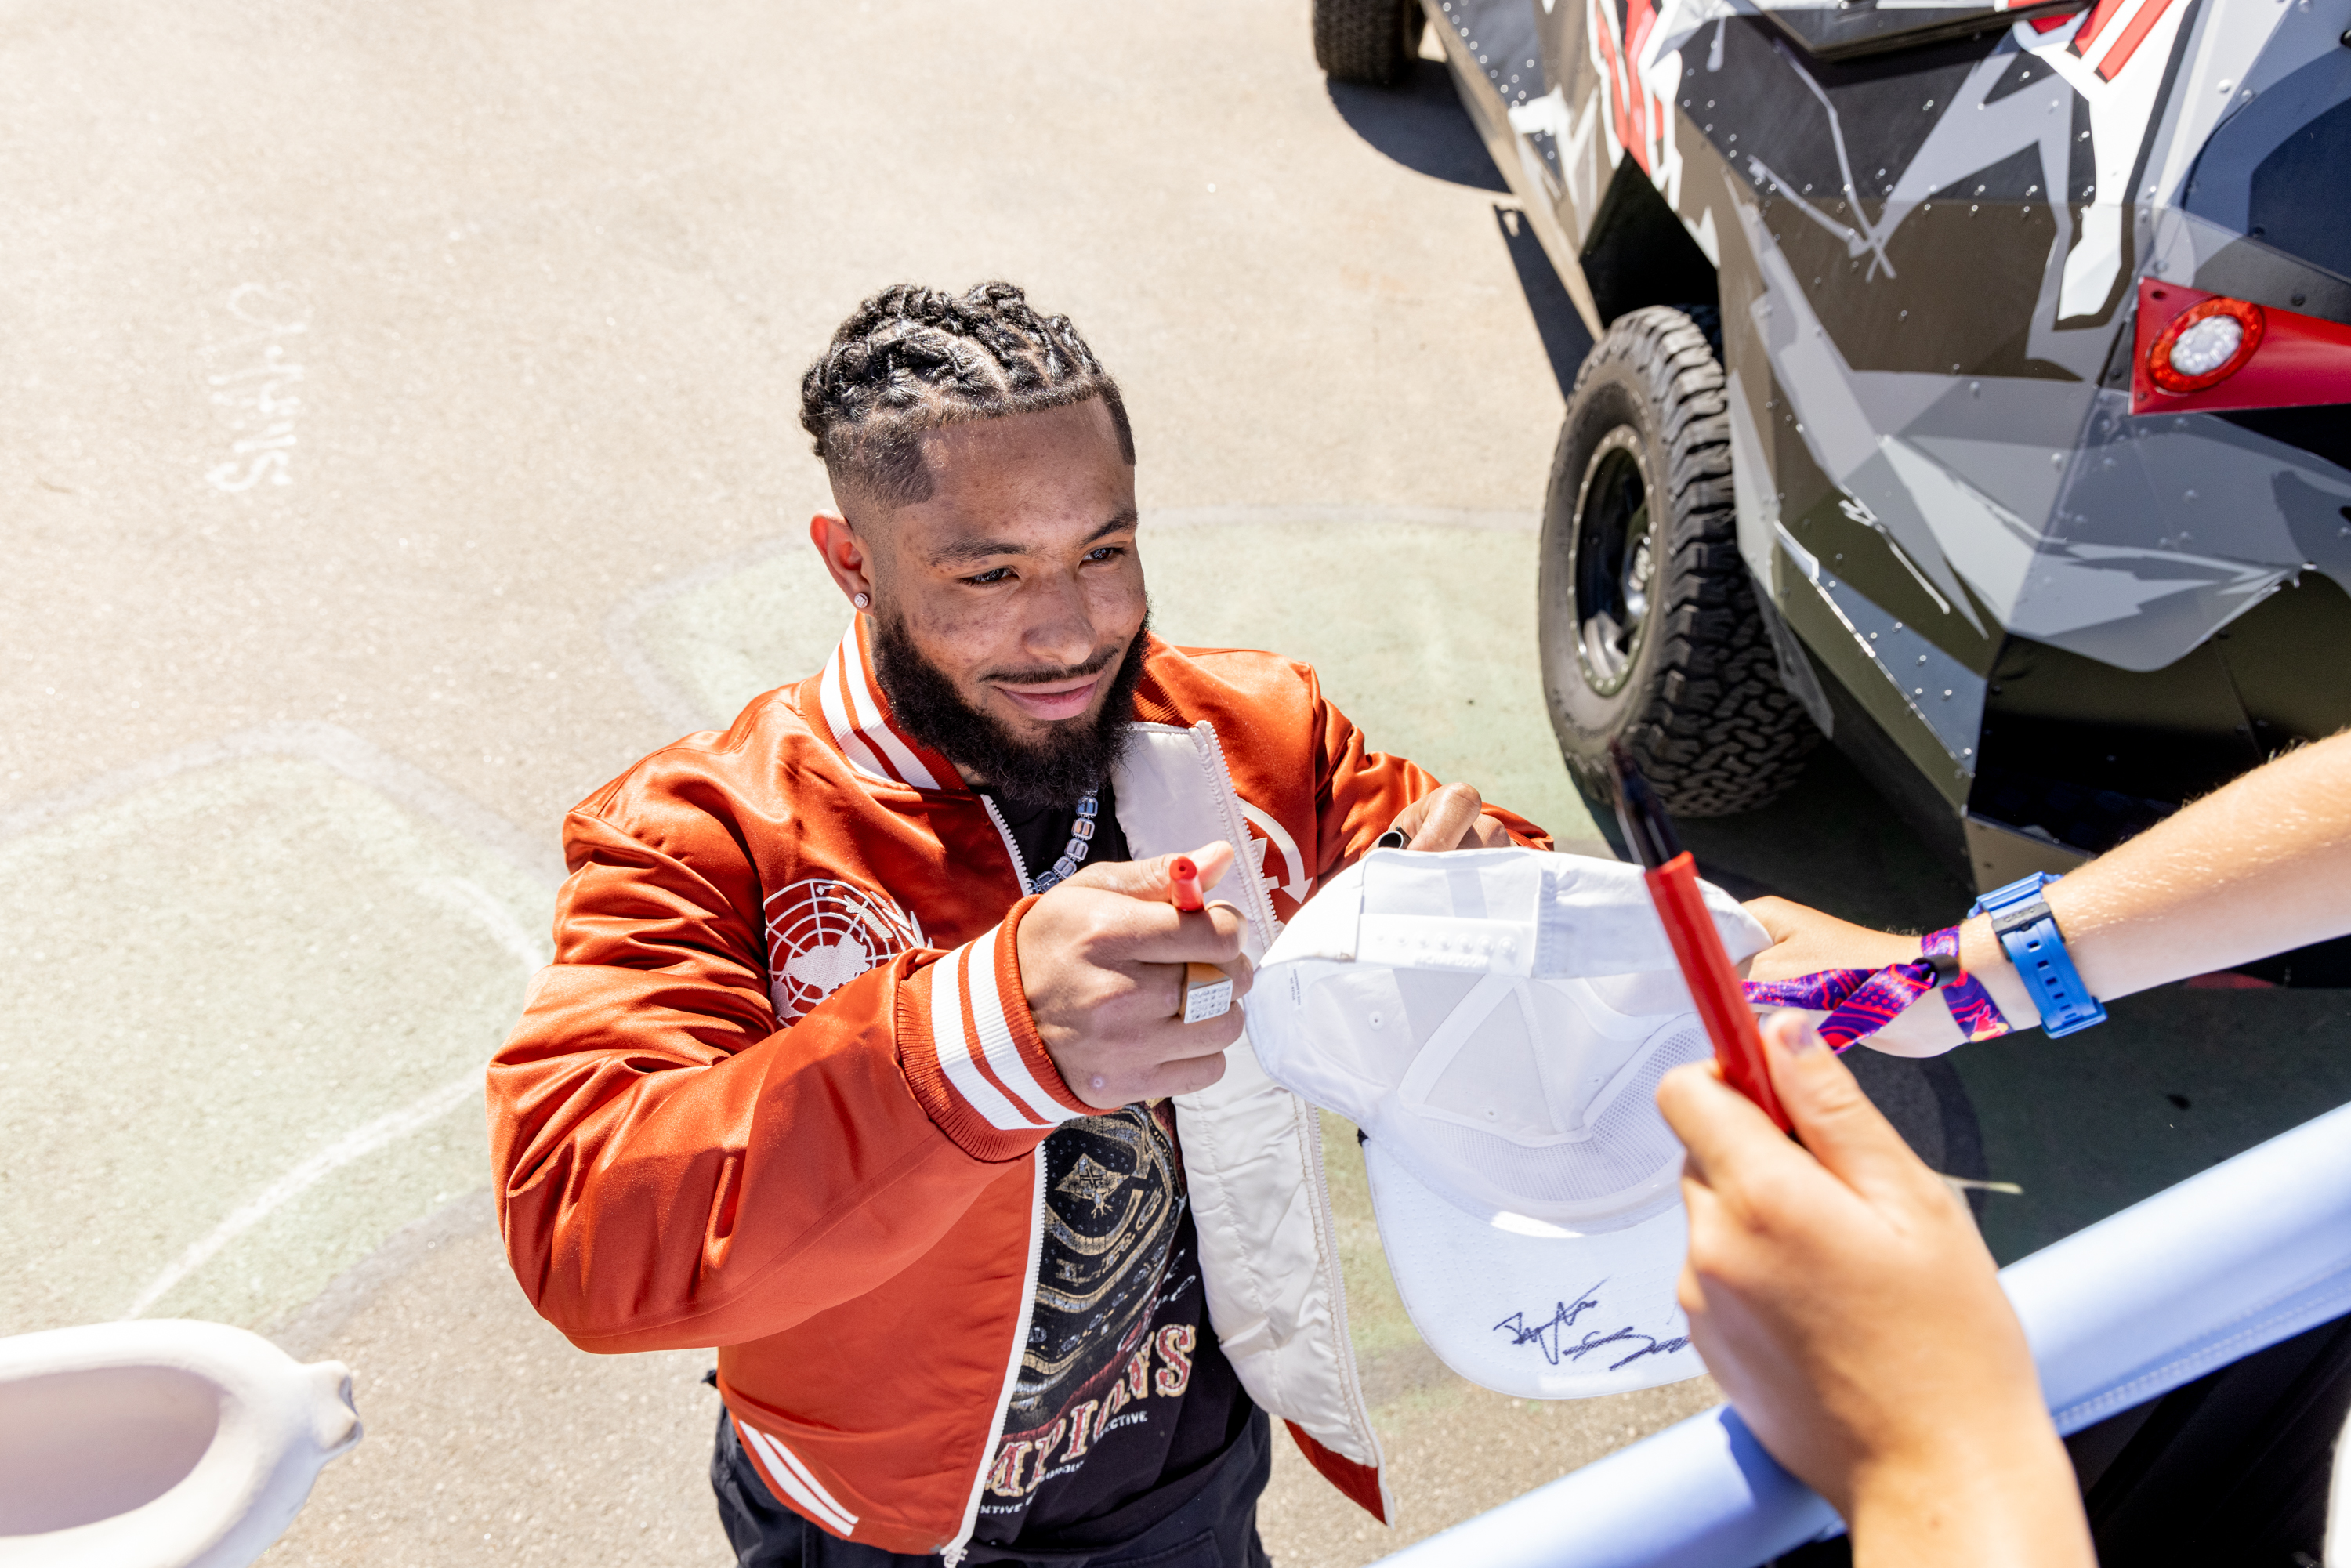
1496,1022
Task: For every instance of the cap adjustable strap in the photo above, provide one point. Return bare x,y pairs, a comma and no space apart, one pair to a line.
1860,1003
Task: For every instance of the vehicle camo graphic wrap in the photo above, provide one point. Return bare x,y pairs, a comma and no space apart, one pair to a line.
1926,228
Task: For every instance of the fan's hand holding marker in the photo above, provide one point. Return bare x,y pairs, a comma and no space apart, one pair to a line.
1714,986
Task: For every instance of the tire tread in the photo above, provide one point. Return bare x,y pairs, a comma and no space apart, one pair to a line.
1363,41
1718,733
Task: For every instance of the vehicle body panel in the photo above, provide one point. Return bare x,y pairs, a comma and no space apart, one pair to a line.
1930,232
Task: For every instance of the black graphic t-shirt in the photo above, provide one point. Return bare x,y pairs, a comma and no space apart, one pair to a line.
1124,1404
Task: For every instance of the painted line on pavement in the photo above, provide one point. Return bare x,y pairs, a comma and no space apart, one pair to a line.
467,898
355,1144
536,856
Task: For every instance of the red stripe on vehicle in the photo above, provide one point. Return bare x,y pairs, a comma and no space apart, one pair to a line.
2134,33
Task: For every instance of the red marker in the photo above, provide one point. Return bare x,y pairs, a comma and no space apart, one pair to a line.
1184,890
1672,876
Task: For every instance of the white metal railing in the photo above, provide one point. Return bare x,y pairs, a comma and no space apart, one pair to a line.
2231,1261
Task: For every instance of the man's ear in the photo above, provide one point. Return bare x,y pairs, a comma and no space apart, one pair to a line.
845,556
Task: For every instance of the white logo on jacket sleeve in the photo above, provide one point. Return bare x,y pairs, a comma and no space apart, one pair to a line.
821,934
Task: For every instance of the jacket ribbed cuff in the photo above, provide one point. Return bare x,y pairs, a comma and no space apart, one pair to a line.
970,1050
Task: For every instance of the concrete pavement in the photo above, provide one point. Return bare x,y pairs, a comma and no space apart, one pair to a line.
401,412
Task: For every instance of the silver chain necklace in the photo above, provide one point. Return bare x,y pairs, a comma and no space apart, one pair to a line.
1073,854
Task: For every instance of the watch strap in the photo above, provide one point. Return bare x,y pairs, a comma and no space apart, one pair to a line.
2029,933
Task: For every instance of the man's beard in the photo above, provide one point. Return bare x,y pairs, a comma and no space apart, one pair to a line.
1072,760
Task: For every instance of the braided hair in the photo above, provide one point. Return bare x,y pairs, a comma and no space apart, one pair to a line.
912,359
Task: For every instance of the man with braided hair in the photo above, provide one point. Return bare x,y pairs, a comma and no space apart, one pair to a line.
864,1056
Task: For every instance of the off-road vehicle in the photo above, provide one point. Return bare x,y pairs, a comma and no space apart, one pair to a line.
1972,386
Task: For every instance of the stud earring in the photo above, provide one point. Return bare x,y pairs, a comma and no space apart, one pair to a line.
862,601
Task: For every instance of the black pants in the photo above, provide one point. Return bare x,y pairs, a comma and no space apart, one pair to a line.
1216,1529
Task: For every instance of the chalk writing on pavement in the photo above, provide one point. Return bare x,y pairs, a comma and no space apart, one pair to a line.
252,380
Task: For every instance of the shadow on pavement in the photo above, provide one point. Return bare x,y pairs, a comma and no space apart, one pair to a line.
1421,124
1565,340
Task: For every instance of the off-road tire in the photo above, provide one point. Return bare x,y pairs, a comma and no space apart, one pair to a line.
1368,41
1695,693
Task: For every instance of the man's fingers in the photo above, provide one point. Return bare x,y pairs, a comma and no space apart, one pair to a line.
1151,879
1188,1076
1165,982
1211,935
1451,811
1849,1136
1159,1057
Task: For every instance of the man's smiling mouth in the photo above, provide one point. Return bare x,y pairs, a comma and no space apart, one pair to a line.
1054,699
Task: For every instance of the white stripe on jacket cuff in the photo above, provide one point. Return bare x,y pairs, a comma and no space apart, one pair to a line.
1022,1105
996,1034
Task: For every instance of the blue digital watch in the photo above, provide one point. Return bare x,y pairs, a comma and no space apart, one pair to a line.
2020,919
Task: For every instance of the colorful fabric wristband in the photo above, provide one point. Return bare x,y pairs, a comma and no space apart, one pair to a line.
1860,1003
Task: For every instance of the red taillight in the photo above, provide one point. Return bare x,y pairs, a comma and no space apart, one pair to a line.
2205,345
2197,350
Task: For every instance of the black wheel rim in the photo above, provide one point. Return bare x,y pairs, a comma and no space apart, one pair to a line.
1615,562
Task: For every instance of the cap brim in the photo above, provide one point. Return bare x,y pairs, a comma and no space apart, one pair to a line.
1529,1309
